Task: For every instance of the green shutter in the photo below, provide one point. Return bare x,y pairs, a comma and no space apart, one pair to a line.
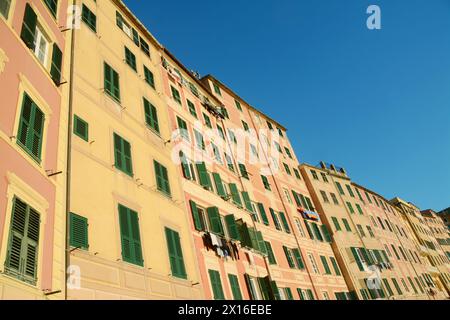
29,27
264,286
336,223
301,294
78,231
216,285
317,233
55,70
31,127
22,253
253,238
219,185
214,221
235,194
337,271
89,18
285,222
358,261
52,5
185,167
308,228
205,180
151,115
175,254
244,234
275,291
310,294
326,233
130,236
325,265
247,201
149,77
289,259
81,128
270,254
135,37
289,294
235,289
275,219
196,216
162,178
243,171
298,258
111,82
386,284
233,231
261,243
263,214
122,153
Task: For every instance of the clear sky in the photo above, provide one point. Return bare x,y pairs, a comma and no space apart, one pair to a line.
374,102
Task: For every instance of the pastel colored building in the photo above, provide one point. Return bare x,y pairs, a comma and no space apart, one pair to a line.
129,233
32,153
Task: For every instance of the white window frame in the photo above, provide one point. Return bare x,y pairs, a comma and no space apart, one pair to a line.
312,260
39,36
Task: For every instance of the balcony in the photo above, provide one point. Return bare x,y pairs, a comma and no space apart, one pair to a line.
433,270
423,251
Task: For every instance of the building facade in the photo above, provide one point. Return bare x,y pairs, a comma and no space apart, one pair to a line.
32,149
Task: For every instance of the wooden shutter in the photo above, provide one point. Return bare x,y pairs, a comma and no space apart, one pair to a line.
244,234
235,289
81,128
250,289
270,254
130,235
275,219
247,201
31,127
308,228
216,285
325,265
55,70
151,115
232,227
175,254
317,232
261,243
326,233
285,222
263,214
122,152
162,178
196,216
219,185
203,175
235,194
289,294
135,37
288,254
275,291
298,258
29,27
264,286
357,259
214,220
78,231
253,238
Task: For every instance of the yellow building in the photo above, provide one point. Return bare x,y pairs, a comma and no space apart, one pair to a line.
129,234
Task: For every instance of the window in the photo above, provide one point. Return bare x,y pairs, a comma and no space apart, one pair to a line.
243,171
314,175
207,121
286,168
288,152
270,254
191,108
313,263
336,223
144,47
232,136
200,142
361,230
23,246
289,257
275,219
216,151
335,200
346,225
278,147
149,78
265,182
41,46
187,166
182,128
151,115
217,89
297,174
245,125
341,191
369,229
78,231
216,285
229,162
31,128
269,125
4,8
350,207
130,59
324,177
175,254
176,95
112,82
299,227
80,128
358,207
350,191
122,155
89,18
324,196
162,178
238,105
254,150
130,236
337,271
235,289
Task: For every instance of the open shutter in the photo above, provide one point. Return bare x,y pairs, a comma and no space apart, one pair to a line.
219,185
181,273
285,222
247,201
298,258
308,228
326,233
275,290
29,27
125,234
244,234
275,219
127,157
232,227
261,243
25,120
264,285
185,166
214,220
253,238
235,194
288,254
263,214
136,238
55,70
358,261
203,174
251,291
32,241
17,234
36,131
196,216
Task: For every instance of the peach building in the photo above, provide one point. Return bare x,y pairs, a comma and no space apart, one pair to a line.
32,149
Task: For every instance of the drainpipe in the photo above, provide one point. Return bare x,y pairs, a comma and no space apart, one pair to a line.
69,148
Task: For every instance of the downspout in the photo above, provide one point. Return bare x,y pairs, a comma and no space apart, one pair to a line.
69,147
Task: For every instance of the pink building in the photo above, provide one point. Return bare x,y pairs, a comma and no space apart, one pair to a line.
32,42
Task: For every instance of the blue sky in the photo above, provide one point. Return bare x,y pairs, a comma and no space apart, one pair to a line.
374,102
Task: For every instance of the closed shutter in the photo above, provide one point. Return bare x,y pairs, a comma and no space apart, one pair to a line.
289,294
151,115
263,214
253,238
275,291
55,70
130,236
244,234
111,82
261,243
175,254
81,128
264,285
325,264
270,254
235,289
235,194
29,27
285,222
196,216
289,259
205,180
337,271
247,201
216,285
219,185
185,167
298,258
78,231
232,227
162,178
135,37
31,127
215,221
326,233
122,154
